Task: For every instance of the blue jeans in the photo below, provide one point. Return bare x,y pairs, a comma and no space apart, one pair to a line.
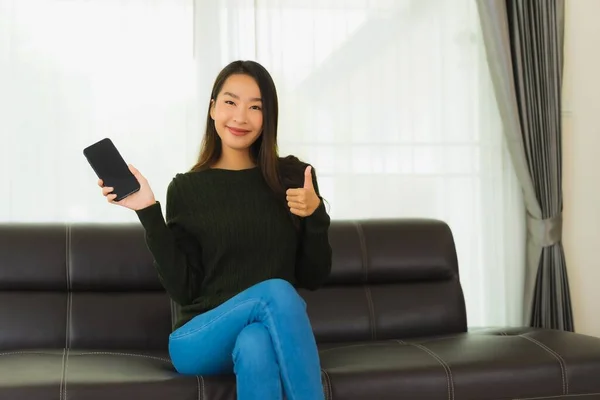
263,335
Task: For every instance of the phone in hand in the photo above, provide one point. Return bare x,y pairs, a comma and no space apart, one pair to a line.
107,163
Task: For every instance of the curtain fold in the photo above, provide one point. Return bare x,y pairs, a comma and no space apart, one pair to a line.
524,47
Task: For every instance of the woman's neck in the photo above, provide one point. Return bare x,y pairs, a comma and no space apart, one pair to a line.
234,160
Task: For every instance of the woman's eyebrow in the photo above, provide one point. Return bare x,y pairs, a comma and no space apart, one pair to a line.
235,96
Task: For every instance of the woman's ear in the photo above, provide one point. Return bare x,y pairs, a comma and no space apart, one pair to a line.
212,109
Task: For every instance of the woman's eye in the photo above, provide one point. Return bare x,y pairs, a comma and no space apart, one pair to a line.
256,108
229,102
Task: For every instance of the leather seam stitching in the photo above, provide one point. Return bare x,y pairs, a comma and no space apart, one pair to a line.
69,294
68,278
62,373
12,353
365,266
371,312
363,250
66,372
561,362
69,318
200,381
329,391
444,365
67,256
440,362
110,353
173,308
436,339
401,342
63,378
325,385
198,387
352,346
557,396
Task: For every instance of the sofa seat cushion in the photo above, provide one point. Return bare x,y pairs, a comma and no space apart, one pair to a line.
90,375
116,375
28,375
489,365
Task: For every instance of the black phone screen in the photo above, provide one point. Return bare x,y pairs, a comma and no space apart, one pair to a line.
107,163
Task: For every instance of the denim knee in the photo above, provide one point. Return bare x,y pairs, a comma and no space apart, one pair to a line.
281,292
253,350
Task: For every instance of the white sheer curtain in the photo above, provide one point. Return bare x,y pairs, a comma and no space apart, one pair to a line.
390,100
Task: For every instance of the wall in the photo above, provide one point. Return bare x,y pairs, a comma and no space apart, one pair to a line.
581,162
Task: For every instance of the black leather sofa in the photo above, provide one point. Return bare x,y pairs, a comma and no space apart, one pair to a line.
83,317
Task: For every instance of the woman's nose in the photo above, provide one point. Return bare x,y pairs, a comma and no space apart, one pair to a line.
240,115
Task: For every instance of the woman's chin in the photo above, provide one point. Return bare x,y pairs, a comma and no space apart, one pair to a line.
237,144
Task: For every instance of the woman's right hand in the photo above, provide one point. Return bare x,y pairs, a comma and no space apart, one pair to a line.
141,199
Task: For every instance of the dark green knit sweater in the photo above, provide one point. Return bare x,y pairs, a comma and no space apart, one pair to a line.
224,232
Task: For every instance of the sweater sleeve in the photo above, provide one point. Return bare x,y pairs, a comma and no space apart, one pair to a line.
313,265
176,252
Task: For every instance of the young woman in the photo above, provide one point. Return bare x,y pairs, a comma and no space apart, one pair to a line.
244,228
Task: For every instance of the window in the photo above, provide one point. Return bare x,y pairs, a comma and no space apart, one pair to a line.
390,100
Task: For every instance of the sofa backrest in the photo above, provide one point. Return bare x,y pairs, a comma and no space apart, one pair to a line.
394,278
93,286
79,286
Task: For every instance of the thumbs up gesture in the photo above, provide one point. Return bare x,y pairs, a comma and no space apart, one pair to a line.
303,201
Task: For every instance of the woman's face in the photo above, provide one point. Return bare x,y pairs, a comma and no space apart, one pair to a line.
237,112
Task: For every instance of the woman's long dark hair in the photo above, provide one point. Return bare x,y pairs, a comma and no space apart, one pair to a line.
279,173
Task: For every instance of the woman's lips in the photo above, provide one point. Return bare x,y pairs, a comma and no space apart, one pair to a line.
238,132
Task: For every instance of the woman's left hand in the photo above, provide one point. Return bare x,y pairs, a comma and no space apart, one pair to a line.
303,201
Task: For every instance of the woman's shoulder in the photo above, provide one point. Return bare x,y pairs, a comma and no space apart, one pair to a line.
291,164
292,160
189,179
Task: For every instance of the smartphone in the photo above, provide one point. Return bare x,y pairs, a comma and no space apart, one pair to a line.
107,163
